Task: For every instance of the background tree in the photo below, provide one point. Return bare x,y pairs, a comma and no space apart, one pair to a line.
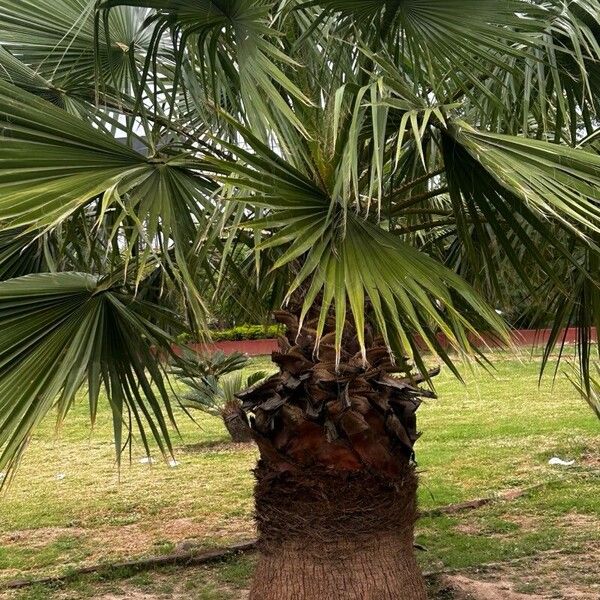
212,382
385,168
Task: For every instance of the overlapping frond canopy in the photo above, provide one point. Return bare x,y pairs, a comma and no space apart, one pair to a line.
350,262
404,162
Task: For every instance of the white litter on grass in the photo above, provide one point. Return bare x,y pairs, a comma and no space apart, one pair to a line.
59,476
173,464
147,460
560,462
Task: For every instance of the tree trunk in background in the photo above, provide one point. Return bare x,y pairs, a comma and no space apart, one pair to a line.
335,486
237,426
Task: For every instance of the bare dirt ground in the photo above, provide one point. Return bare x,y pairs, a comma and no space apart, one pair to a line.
549,576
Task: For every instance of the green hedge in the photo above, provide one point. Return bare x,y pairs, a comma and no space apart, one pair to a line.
246,332
243,332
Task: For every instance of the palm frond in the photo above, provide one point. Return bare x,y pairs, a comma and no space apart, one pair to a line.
493,224
447,44
347,262
59,42
60,331
198,365
54,163
233,47
557,181
22,254
579,307
590,390
213,380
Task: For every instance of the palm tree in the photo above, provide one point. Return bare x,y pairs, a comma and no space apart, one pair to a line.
212,383
387,168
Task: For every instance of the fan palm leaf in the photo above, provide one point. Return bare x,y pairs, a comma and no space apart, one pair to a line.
59,42
62,330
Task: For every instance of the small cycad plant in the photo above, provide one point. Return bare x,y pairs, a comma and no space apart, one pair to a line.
212,383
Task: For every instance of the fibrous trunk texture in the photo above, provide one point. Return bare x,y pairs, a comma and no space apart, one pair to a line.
237,426
336,488
339,536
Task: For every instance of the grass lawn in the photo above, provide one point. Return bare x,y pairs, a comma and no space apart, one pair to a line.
69,507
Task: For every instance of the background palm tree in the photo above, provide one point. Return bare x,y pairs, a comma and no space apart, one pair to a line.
212,383
386,169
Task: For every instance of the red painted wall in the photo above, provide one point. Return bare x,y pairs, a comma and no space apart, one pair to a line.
249,347
521,337
536,337
531,337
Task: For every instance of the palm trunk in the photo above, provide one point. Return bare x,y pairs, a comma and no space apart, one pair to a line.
323,535
237,425
335,487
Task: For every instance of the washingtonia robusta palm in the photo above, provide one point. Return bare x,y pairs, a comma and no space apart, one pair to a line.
385,169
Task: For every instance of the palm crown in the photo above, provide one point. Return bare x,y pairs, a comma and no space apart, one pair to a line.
378,165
